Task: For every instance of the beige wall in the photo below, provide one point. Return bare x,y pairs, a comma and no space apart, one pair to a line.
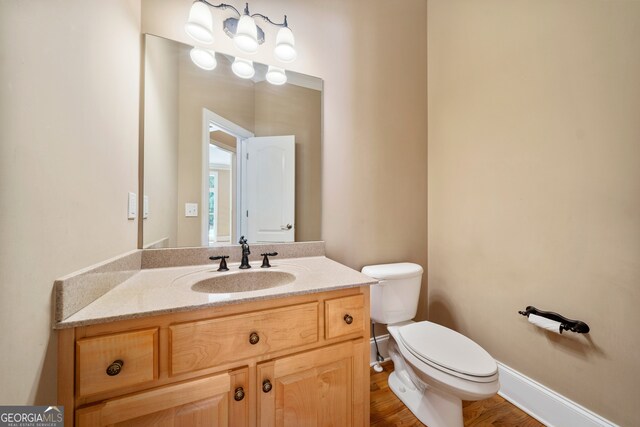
534,185
374,153
295,110
69,77
161,141
87,105
198,90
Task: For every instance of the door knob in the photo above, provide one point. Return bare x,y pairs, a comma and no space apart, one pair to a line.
286,227
348,319
266,386
238,395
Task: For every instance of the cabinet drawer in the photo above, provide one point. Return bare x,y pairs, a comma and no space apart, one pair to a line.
344,316
207,343
138,352
200,402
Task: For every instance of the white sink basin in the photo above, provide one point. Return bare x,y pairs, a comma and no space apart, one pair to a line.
243,281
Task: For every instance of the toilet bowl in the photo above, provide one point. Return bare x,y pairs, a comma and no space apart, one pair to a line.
435,368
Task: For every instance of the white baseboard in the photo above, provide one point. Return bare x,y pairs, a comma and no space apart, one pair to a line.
542,403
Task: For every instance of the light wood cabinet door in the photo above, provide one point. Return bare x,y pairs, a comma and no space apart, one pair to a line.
201,402
317,388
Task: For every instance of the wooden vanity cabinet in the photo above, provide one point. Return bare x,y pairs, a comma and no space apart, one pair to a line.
324,385
197,402
293,361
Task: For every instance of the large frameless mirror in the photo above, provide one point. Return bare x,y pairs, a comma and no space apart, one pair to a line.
226,156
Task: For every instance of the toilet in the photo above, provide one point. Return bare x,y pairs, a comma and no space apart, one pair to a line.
435,368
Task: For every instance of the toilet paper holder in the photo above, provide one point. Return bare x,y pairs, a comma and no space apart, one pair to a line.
566,324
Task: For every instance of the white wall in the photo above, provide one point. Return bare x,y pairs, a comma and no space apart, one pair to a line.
69,89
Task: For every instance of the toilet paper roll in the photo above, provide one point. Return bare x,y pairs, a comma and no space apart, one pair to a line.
544,323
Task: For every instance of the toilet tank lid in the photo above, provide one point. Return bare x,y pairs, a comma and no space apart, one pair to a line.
400,270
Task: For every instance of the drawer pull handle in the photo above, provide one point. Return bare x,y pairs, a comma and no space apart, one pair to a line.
254,338
348,319
115,368
238,395
266,386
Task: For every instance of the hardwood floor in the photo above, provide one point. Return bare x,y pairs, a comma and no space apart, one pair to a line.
388,410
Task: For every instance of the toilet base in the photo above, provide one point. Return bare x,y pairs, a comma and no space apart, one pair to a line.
432,407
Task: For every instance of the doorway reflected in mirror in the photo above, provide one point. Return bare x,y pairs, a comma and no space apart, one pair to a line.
198,125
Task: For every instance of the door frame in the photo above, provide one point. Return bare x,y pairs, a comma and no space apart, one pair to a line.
241,134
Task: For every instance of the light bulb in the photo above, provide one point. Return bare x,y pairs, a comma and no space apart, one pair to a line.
243,68
246,37
276,76
200,23
205,59
285,45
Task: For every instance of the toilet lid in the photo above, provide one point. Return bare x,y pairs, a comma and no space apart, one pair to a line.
448,349
399,270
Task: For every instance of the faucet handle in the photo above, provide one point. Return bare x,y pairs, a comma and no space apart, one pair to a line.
243,240
265,260
223,261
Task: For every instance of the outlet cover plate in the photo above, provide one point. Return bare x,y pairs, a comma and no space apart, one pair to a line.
190,209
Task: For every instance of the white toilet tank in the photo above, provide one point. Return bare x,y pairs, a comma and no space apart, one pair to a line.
395,298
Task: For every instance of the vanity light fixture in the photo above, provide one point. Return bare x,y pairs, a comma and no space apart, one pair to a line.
200,23
243,68
285,45
203,58
246,35
276,75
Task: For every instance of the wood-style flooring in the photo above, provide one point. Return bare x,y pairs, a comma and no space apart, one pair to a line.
388,410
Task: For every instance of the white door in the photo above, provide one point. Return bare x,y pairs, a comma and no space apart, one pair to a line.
269,190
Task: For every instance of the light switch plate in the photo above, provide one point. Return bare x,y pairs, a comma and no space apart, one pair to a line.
145,207
190,209
132,206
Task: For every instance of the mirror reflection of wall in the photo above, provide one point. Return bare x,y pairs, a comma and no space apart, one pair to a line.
179,140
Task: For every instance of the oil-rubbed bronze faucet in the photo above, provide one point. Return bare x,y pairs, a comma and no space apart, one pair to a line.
244,264
223,261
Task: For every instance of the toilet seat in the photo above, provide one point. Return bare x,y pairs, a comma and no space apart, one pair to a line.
436,376
448,351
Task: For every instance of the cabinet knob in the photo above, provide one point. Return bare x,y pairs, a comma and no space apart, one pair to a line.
266,386
115,368
254,338
348,319
238,395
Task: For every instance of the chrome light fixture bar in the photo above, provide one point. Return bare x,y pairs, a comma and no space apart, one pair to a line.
244,31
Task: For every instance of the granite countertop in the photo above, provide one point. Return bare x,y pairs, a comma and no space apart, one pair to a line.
168,290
